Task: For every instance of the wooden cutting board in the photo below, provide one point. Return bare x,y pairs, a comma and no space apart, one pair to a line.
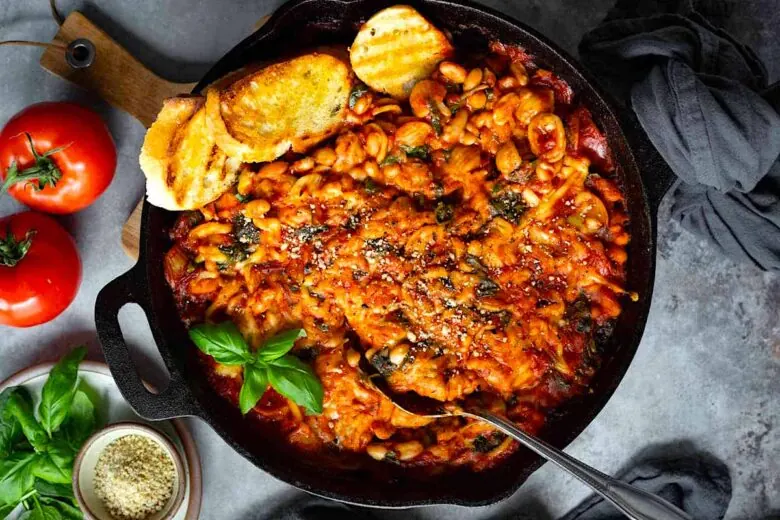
120,79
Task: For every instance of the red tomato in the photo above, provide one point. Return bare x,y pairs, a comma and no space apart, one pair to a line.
56,157
40,269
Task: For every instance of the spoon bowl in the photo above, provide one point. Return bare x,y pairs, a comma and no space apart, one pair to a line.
633,502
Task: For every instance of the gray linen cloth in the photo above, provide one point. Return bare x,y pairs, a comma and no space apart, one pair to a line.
702,98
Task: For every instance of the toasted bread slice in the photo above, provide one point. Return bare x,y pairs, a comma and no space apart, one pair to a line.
396,48
288,105
184,167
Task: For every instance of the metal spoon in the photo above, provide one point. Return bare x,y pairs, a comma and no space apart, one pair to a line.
632,502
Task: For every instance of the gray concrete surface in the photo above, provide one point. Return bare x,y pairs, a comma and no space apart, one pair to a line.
707,374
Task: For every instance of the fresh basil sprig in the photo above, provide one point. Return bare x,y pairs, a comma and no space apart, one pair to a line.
59,390
223,342
36,454
271,364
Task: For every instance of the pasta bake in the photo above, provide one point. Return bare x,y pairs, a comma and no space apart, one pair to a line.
469,242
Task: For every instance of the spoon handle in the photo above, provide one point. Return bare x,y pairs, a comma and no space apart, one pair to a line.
634,503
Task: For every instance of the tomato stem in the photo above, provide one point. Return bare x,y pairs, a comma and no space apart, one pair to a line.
44,170
12,250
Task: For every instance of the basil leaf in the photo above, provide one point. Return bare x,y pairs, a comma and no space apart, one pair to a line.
80,422
67,511
255,384
5,510
280,344
60,491
10,430
52,469
223,342
59,389
41,513
296,380
19,406
16,477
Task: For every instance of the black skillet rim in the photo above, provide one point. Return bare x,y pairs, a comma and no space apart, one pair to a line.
627,125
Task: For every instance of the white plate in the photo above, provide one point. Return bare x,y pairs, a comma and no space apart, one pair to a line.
113,408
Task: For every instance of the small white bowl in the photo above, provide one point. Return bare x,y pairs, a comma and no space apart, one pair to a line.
86,461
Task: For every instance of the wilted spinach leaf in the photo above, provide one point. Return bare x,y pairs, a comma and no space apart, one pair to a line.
382,363
509,205
486,288
244,231
370,186
356,93
307,233
380,245
352,222
419,152
443,212
390,159
578,313
485,444
475,263
435,117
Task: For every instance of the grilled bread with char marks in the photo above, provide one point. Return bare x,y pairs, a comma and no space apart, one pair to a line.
289,105
184,167
396,48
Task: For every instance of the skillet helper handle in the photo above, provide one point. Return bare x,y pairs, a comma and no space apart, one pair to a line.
175,400
629,500
115,75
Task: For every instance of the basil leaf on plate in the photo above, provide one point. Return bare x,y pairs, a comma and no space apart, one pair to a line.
55,465
60,491
80,422
52,469
59,389
61,453
19,406
255,384
280,344
296,380
41,512
10,430
16,477
222,341
6,509
67,511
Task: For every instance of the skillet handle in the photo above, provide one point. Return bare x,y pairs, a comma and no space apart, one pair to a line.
175,400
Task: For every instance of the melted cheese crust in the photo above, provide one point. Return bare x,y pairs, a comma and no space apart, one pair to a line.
462,242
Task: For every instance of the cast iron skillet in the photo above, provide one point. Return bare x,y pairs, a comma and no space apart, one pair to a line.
303,24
